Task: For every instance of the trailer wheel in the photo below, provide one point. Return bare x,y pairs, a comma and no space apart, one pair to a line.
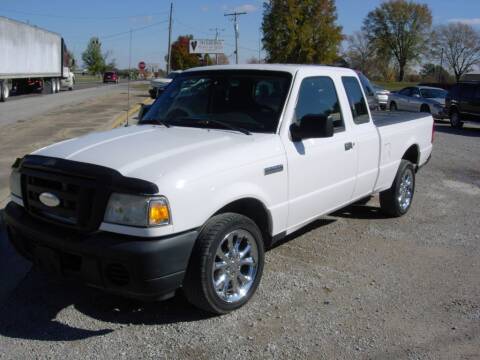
57,85
4,92
49,86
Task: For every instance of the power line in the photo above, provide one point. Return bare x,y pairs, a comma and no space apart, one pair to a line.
82,17
105,37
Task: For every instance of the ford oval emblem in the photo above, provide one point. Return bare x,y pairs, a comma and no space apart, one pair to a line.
49,199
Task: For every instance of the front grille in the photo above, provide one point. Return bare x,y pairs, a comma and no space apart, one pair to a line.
83,190
76,198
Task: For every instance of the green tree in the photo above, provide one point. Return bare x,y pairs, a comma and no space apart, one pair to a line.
432,73
401,27
301,31
181,57
461,47
93,58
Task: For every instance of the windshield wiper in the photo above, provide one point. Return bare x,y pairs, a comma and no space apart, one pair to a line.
155,122
204,121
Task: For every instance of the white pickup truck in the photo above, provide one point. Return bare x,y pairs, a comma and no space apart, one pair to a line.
227,161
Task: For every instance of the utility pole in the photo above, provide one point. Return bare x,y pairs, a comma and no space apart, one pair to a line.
235,16
217,32
441,65
129,74
169,56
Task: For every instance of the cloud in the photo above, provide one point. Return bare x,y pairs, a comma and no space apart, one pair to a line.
246,8
472,21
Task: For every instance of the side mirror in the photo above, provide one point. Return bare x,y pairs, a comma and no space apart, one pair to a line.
416,95
143,111
312,126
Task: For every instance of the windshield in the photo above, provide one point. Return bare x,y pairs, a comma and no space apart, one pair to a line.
433,93
248,100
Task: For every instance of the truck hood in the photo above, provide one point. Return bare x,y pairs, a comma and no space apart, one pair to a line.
150,152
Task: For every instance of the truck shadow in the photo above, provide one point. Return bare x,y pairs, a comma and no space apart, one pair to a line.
35,310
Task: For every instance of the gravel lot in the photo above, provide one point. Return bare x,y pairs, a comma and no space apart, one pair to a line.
352,285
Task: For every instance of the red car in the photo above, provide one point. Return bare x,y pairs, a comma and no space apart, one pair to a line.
110,76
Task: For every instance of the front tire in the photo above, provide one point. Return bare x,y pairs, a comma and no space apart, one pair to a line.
455,120
226,264
393,106
397,200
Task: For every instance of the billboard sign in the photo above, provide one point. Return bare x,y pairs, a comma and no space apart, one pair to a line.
206,46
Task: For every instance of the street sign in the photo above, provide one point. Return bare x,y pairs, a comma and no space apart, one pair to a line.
206,46
142,65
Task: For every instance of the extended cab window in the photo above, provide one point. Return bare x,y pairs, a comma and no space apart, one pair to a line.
358,105
318,97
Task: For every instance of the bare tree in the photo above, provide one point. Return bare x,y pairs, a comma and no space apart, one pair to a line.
461,47
360,52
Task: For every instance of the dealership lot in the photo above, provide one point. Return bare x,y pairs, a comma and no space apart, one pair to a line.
352,285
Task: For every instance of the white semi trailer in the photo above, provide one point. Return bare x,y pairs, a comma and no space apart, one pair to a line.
31,59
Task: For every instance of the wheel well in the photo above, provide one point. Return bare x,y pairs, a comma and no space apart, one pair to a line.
424,106
412,155
255,210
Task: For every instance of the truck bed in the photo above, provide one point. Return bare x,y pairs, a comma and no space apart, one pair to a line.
384,118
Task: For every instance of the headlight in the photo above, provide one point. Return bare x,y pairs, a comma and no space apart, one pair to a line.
16,183
134,210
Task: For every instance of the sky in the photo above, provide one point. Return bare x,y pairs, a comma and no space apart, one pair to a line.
112,21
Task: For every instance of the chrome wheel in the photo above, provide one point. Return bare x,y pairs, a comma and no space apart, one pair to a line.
405,191
235,266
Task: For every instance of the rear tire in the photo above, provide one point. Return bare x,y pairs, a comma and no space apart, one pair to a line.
393,107
226,264
455,120
49,86
397,200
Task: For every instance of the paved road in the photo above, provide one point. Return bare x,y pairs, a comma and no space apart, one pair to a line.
354,285
29,106
78,86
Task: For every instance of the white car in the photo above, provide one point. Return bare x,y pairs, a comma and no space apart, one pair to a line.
158,85
228,161
382,96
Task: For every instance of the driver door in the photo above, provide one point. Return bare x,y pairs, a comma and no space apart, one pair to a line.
322,171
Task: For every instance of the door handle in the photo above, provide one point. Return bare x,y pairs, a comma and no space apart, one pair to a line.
349,146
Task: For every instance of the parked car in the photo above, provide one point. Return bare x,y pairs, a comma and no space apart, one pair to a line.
369,91
110,76
227,162
463,103
382,96
419,98
158,85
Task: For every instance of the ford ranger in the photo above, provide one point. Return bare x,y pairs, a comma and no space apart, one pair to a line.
226,162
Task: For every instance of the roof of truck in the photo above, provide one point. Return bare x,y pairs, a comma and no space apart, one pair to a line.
291,68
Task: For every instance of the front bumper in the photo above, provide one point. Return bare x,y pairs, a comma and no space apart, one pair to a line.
144,268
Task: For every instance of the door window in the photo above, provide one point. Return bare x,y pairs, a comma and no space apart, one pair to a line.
466,92
318,96
358,105
415,91
405,92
